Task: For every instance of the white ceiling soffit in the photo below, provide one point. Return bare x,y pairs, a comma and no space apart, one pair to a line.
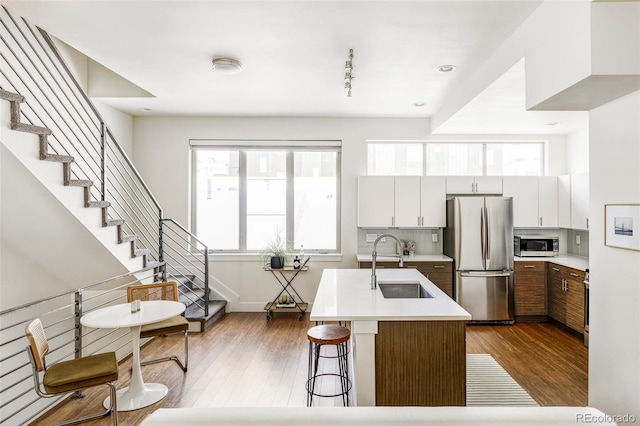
293,55
501,108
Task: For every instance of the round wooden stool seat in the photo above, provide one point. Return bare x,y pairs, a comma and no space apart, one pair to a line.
328,334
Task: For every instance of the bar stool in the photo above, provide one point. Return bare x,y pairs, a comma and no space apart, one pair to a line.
323,335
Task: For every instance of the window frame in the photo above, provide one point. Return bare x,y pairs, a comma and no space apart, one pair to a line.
244,146
425,172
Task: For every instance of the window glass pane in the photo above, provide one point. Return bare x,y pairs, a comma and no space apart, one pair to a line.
217,195
454,159
315,200
514,159
394,159
266,196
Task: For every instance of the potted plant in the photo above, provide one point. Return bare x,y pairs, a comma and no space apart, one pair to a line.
277,252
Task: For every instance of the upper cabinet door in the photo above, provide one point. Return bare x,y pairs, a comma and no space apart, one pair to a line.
524,191
433,202
407,201
375,201
548,201
461,185
564,201
580,201
489,185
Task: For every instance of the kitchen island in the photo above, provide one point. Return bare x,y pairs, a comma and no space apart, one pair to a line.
406,351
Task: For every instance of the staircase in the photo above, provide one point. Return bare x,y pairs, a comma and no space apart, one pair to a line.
46,100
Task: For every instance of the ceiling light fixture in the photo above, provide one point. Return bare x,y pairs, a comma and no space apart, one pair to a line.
226,65
348,73
446,68
418,104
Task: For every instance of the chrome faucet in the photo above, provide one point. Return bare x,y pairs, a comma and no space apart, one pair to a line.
374,279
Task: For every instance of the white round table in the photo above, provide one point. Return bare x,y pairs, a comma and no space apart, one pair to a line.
138,394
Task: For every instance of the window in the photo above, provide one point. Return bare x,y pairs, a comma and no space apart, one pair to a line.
245,194
395,159
456,158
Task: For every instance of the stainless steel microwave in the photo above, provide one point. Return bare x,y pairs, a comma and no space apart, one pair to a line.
535,246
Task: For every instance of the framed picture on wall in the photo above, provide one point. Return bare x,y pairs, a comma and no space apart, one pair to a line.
622,226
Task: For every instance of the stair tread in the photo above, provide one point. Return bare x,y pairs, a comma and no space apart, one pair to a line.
140,252
79,182
100,204
57,158
11,96
114,222
30,128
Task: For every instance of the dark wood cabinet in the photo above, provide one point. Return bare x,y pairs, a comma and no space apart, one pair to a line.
565,296
530,289
439,273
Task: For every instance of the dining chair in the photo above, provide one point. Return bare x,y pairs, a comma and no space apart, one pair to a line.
72,375
178,324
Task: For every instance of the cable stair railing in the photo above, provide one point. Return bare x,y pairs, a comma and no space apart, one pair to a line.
46,100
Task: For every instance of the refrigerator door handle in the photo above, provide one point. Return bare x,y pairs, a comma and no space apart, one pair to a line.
483,237
484,274
486,233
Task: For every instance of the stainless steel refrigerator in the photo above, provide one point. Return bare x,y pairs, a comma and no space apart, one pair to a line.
479,238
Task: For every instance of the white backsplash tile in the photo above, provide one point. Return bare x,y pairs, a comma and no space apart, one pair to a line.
421,237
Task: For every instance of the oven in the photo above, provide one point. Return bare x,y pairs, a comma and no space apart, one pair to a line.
586,309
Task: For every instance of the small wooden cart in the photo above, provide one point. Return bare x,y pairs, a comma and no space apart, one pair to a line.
285,277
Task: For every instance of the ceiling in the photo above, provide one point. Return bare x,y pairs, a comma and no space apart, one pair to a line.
293,54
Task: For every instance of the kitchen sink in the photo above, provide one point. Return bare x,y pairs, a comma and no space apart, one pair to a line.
403,290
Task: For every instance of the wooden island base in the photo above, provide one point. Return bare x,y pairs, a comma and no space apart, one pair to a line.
420,363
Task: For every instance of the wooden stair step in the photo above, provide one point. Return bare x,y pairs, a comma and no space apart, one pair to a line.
57,158
98,204
30,128
10,96
79,182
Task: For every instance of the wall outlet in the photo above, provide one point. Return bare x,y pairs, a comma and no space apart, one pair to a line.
578,239
434,238
370,238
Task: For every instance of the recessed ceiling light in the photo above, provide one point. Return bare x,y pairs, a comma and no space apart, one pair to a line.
446,68
418,104
226,65
553,123
146,109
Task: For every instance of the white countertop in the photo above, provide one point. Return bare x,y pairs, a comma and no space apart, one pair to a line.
414,258
346,295
575,262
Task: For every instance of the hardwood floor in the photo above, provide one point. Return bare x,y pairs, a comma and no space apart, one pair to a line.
244,360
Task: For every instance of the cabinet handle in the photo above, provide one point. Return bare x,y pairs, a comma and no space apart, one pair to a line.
418,220
540,220
573,275
556,269
393,221
587,223
529,266
422,224
438,266
473,187
411,266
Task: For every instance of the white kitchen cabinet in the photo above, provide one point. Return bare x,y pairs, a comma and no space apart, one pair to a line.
376,201
401,201
535,200
573,201
407,201
524,191
474,185
548,201
433,202
564,201
580,201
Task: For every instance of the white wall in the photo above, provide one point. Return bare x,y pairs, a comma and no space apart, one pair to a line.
578,151
614,352
161,153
